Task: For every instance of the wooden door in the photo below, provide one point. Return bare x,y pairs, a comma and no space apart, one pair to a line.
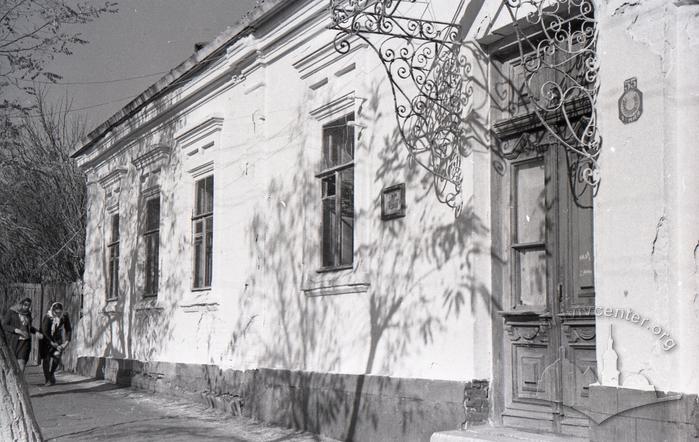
547,351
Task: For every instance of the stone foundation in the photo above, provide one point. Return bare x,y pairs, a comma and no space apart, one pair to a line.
341,406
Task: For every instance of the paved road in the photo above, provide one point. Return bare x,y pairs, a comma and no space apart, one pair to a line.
81,409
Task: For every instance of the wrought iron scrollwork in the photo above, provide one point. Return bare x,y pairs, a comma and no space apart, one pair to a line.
557,42
431,86
427,76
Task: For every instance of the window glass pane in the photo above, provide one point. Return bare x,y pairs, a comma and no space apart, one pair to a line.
329,151
204,195
531,276
209,250
151,265
115,227
198,249
152,214
347,216
209,194
531,202
328,240
155,268
149,262
347,141
200,191
338,142
329,186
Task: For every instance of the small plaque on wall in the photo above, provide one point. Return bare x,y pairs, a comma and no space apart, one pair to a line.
630,102
393,202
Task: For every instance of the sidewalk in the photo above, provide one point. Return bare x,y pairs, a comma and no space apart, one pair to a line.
82,409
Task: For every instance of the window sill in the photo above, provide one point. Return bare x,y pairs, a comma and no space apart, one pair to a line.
148,303
201,289
199,300
336,281
333,269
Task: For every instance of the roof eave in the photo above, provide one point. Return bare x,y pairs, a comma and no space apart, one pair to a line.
262,11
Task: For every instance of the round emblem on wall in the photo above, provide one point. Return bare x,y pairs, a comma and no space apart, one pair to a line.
630,102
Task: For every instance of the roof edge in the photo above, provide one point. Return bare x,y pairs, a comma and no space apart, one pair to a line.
260,12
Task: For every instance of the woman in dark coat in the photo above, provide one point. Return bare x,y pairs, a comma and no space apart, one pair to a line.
57,333
17,324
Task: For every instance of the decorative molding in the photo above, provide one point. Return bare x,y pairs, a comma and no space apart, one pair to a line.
317,85
152,159
323,57
335,107
111,183
254,87
528,332
201,169
202,131
150,192
574,109
527,142
346,70
113,179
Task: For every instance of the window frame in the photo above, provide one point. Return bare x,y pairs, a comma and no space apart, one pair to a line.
336,171
113,254
205,219
546,244
151,278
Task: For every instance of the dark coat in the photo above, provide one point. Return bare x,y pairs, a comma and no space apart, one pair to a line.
61,334
10,322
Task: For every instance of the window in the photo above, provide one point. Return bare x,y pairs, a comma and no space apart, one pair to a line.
529,233
113,251
151,241
337,190
202,233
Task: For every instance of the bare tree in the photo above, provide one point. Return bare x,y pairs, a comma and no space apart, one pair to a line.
43,198
41,191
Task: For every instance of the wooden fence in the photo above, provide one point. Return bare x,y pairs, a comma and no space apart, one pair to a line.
42,296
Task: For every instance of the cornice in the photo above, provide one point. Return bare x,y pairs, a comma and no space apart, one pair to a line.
205,128
112,178
155,156
325,56
334,107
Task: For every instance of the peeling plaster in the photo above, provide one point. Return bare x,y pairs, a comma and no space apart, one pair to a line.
621,9
660,253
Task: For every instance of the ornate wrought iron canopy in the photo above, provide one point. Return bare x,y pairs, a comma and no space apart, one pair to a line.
557,43
423,64
430,84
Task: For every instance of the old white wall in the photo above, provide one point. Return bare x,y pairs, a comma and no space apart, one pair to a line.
425,309
646,212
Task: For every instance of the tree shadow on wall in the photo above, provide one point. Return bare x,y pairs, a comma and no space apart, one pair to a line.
420,271
133,326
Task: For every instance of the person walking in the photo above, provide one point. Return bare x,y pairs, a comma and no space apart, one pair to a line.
57,331
17,324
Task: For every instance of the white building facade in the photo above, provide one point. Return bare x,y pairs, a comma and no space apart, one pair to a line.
262,234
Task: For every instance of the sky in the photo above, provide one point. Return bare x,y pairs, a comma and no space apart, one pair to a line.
144,38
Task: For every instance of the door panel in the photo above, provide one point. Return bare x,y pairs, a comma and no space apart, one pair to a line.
549,341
